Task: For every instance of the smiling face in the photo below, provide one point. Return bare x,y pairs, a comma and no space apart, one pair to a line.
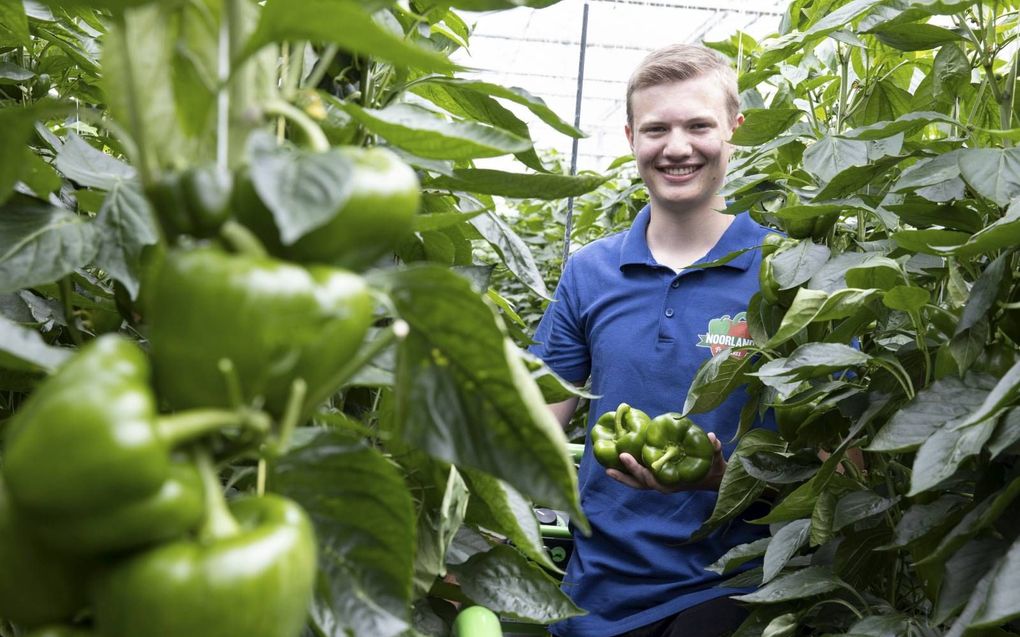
679,135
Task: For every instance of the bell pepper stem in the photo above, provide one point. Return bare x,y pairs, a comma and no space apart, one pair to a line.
219,521
621,412
242,240
233,382
179,428
671,452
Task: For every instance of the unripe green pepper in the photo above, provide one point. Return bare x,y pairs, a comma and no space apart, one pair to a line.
274,321
384,194
89,440
812,227
61,631
195,202
171,511
616,432
250,572
676,450
477,621
37,586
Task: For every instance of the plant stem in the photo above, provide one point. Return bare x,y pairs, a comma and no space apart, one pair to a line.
242,240
219,521
315,77
185,426
65,301
142,161
316,137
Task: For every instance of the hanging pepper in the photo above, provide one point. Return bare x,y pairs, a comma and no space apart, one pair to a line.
677,450
616,432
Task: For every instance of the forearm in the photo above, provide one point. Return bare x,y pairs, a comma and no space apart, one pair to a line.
563,411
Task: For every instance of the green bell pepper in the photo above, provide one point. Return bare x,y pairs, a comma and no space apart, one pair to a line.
37,586
274,321
616,432
676,450
196,202
477,621
88,440
383,196
251,571
171,511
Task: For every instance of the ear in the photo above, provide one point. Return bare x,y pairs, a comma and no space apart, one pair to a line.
629,132
737,121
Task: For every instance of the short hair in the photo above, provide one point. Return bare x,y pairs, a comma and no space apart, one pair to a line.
678,62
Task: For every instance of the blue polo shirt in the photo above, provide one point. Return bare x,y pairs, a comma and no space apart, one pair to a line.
640,331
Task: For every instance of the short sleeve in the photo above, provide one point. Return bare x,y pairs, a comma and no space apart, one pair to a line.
560,338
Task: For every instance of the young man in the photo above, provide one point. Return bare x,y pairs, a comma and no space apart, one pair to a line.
631,316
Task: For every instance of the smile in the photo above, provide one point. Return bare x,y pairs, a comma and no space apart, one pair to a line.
679,171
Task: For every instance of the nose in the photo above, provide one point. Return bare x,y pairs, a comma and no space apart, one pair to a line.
678,144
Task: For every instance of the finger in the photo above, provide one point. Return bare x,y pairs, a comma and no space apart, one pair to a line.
624,478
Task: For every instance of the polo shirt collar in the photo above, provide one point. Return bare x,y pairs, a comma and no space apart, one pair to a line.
739,236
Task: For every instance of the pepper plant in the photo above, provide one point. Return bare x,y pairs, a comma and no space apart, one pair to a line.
880,139
275,206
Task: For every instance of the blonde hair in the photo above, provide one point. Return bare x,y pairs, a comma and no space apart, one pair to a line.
678,62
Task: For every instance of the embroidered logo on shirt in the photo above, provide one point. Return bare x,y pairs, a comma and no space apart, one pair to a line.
725,332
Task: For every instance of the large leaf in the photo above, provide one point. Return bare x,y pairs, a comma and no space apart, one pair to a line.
831,155
517,185
973,561
923,518
303,190
808,582
738,489
518,95
457,370
345,23
784,545
81,162
125,225
14,23
739,555
941,455
905,124
503,581
810,306
764,124
798,264
946,401
16,123
364,520
1002,233
715,381
497,506
1005,393
24,349
426,134
915,37
1000,604
993,172
516,255
41,244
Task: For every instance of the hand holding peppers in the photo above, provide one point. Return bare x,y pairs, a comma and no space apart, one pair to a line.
667,453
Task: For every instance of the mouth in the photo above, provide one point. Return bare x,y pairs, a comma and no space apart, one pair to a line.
679,171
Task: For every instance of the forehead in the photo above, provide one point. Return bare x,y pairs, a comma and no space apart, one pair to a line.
701,96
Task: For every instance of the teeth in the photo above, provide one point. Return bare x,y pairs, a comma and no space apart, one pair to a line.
680,170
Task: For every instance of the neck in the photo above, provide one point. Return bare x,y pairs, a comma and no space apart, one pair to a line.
679,238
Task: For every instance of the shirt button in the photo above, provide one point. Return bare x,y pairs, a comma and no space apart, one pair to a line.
675,284
669,312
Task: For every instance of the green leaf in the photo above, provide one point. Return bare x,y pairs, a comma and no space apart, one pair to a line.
303,190
739,555
715,381
924,518
877,272
518,95
125,225
811,306
945,400
906,298
854,178
16,123
860,505
24,349
994,173
968,565
1006,434
12,72
780,468
424,133
503,581
981,517
983,294
515,253
784,545
1000,234
517,185
814,359
456,369
497,506
364,521
811,581
1000,602
14,23
941,455
831,155
935,242
41,244
906,124
764,124
738,489
344,23
915,37
438,523
1005,393
798,264
91,167
950,70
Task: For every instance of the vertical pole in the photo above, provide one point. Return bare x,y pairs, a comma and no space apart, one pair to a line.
577,124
